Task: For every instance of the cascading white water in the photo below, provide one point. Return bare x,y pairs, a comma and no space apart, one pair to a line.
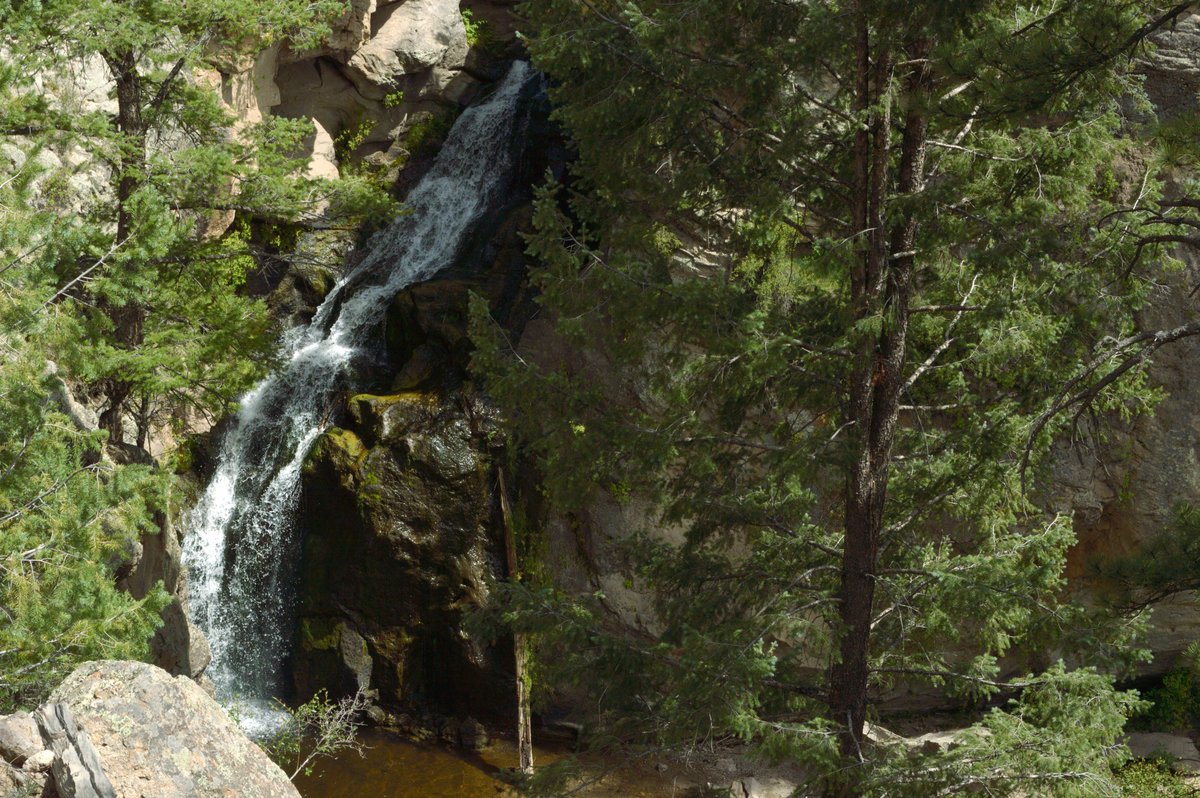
241,551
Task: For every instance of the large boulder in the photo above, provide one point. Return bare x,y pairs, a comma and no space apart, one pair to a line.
410,37
158,736
401,540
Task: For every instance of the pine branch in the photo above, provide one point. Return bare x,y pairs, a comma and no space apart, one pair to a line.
1073,395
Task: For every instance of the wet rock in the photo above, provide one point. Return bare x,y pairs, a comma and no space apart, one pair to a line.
425,363
19,737
159,736
338,658
398,545
447,731
472,735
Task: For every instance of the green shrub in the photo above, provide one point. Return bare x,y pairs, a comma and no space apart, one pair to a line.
319,728
351,138
427,133
477,29
1151,778
1175,704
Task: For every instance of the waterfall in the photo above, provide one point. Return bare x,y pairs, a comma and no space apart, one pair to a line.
242,549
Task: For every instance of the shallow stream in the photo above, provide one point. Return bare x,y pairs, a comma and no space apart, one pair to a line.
394,768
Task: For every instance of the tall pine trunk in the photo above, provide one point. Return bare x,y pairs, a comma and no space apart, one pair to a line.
881,285
128,317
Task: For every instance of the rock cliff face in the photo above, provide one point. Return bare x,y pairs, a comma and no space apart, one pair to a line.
400,506
388,72
179,647
399,509
130,730
1124,493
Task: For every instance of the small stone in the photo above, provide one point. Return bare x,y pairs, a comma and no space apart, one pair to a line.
472,735
661,767
19,737
376,715
40,762
16,782
752,788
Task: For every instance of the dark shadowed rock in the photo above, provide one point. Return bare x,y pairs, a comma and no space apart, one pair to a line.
400,542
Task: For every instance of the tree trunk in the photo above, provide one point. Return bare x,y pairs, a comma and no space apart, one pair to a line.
881,285
128,318
524,722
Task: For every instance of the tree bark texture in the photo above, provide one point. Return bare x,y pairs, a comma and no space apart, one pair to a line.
128,318
881,284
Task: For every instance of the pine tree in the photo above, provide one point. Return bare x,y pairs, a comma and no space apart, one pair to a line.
131,291
161,317
67,517
838,259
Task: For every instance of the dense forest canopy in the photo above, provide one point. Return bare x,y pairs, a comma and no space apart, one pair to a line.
847,269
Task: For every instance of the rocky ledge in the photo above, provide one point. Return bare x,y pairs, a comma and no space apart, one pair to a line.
131,730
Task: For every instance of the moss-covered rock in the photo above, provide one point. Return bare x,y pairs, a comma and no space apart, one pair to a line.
401,540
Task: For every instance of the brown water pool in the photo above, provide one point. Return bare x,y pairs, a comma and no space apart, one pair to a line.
395,768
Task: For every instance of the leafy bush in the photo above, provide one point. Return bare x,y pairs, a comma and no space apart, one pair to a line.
477,29
1175,704
318,728
1151,779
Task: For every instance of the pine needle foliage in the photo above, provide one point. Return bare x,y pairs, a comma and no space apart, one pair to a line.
121,274
67,517
149,258
822,267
